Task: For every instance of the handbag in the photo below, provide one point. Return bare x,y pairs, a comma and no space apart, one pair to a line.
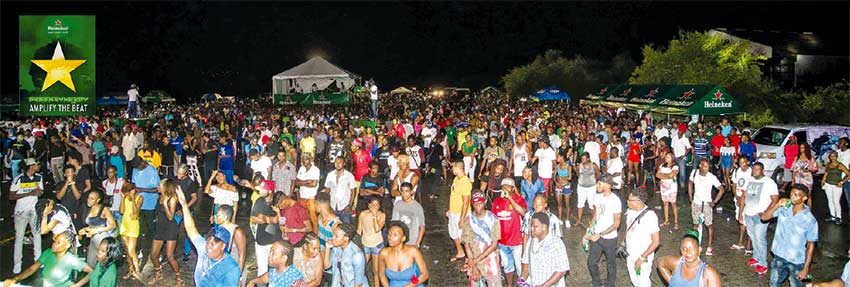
621,250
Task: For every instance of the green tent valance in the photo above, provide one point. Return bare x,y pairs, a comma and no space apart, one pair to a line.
669,99
318,98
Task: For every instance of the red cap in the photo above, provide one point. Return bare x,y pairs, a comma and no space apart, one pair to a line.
268,185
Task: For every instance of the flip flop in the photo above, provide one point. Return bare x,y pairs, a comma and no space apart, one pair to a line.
676,227
456,258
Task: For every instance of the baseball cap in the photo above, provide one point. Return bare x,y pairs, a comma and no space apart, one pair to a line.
220,233
357,142
607,178
114,149
478,196
268,185
30,161
508,181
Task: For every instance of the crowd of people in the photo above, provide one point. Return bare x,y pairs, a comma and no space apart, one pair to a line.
334,193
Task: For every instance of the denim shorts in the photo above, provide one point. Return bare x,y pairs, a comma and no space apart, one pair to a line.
566,190
373,250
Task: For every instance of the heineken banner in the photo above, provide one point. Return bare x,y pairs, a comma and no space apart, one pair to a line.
57,65
341,98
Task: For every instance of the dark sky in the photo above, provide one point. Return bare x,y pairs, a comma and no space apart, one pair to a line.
188,49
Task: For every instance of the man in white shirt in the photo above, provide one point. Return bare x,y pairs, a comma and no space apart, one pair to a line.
615,169
260,163
844,158
681,146
133,101
740,177
661,131
545,157
603,237
373,96
762,192
642,238
307,181
25,190
700,184
593,148
544,261
341,185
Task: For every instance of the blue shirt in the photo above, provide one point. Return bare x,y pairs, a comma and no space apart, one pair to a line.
530,190
118,161
725,130
226,150
604,135
208,272
285,278
147,178
792,234
348,266
177,142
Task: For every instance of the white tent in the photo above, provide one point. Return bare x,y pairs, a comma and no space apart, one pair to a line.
314,75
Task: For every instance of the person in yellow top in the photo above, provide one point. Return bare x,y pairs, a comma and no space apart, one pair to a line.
458,206
149,154
461,136
308,143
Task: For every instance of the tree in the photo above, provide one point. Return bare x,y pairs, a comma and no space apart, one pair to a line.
577,76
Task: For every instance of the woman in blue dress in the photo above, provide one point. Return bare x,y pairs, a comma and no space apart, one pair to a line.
400,264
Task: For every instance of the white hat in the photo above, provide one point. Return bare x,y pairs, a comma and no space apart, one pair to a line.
30,161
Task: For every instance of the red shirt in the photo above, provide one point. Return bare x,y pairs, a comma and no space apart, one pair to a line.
791,151
361,164
509,220
716,143
294,217
736,141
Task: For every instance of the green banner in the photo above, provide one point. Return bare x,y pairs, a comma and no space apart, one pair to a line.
341,98
57,65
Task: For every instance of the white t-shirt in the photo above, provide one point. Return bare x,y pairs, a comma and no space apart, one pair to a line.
373,92
680,146
304,174
702,186
133,95
20,187
428,135
844,156
520,159
639,237
758,195
113,189
340,188
668,186
593,149
392,162
615,166
662,132
262,166
554,141
223,196
415,158
740,177
606,208
63,222
544,162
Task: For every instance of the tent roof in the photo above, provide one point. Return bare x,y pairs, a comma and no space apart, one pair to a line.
551,93
401,90
669,99
316,68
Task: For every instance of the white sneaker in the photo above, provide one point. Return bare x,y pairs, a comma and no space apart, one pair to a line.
567,224
16,269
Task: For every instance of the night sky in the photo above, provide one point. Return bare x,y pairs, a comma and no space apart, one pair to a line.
188,49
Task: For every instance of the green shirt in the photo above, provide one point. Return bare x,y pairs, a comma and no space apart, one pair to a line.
58,271
451,132
106,279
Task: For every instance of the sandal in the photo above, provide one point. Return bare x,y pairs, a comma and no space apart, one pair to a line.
676,226
179,279
664,224
736,247
457,258
157,275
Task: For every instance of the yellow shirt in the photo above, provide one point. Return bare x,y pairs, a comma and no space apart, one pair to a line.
308,145
461,186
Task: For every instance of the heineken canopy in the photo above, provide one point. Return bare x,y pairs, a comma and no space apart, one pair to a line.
669,99
318,98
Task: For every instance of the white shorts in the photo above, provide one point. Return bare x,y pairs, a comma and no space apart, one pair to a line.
454,232
585,194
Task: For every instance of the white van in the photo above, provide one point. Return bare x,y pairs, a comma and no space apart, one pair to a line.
770,144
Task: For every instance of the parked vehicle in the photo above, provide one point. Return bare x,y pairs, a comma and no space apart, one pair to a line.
770,144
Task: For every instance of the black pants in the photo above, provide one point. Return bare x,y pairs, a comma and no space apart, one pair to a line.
146,222
609,247
431,180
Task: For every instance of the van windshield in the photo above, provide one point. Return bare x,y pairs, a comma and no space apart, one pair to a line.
770,136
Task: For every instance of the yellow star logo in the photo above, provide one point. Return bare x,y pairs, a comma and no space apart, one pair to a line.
58,69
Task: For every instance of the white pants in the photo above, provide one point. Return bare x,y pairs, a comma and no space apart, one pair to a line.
262,258
469,167
22,219
833,199
641,280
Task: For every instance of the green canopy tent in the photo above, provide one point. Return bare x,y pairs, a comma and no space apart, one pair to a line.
697,100
598,96
619,96
316,98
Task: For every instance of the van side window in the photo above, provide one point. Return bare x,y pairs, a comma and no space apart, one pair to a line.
801,137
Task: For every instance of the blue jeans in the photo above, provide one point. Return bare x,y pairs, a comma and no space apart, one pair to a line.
344,215
511,258
16,167
375,109
117,216
758,234
695,163
100,167
782,269
132,109
682,162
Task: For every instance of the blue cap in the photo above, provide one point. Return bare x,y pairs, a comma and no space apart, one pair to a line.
221,234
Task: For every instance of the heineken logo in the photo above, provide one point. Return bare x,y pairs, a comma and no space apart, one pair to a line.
57,28
668,102
288,101
687,95
717,105
626,92
322,100
652,93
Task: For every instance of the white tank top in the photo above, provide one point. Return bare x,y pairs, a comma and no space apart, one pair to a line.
520,159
